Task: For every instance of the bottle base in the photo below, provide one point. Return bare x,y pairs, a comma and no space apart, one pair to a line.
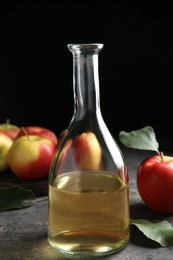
88,245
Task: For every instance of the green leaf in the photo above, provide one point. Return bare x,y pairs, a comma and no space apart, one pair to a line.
160,232
16,197
143,139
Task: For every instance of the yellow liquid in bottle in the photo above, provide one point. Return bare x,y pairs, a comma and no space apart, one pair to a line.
88,213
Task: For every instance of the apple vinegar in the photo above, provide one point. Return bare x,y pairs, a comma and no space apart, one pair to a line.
85,218
88,206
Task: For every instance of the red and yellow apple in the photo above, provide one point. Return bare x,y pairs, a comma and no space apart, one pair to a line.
87,151
10,129
81,153
39,131
155,183
29,157
5,144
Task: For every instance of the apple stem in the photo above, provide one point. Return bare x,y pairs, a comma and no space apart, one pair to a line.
161,156
7,121
25,132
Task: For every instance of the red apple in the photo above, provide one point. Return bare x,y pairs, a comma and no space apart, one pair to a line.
155,173
10,129
5,144
155,183
39,131
87,151
29,157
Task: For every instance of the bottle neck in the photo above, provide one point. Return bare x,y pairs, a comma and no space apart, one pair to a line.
86,78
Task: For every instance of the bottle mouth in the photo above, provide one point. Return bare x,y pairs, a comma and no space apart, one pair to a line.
85,48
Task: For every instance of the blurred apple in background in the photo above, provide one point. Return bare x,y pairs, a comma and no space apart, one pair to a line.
87,151
62,133
39,131
30,156
5,144
10,129
66,159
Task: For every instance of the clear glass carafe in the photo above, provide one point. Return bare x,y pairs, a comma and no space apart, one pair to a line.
88,210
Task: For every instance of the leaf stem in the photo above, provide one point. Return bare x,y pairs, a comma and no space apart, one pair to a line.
44,198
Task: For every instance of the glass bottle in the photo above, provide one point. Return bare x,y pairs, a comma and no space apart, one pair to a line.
88,210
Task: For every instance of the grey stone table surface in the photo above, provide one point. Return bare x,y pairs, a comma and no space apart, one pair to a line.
23,233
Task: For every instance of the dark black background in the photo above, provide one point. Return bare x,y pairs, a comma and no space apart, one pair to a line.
135,65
